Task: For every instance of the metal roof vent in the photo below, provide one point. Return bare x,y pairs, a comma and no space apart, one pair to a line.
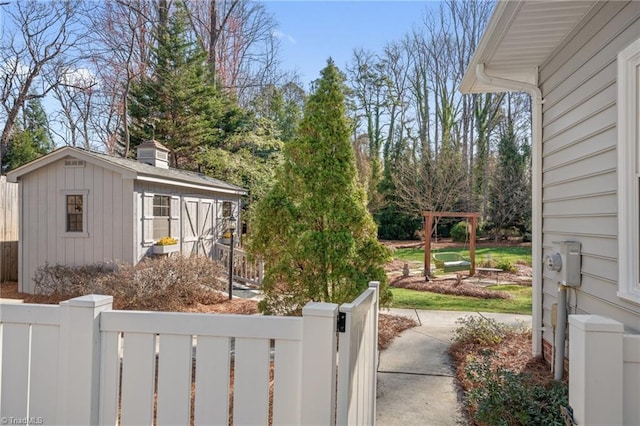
154,154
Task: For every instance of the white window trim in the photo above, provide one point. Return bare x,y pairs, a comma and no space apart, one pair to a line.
628,172
63,224
147,217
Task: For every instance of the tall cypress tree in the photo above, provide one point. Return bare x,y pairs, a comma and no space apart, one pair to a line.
313,228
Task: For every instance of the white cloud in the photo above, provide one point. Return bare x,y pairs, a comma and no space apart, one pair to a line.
282,36
80,77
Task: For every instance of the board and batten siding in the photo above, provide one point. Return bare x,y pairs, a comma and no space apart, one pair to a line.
142,187
109,208
579,180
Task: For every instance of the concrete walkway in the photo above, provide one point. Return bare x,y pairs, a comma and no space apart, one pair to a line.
416,379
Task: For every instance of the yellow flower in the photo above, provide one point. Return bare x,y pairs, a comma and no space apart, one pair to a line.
166,241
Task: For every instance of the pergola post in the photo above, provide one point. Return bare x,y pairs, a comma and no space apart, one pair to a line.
428,222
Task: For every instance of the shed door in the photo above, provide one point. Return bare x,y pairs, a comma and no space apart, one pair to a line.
198,226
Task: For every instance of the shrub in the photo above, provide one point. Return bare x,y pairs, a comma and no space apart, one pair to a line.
502,397
157,284
503,264
460,231
506,266
480,331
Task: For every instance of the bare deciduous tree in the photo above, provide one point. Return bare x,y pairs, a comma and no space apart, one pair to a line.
42,36
238,36
122,41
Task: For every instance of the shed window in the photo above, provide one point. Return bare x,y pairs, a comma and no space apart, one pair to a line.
75,207
629,172
161,216
226,209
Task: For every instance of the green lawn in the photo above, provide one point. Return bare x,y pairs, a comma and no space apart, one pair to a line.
412,299
510,253
520,304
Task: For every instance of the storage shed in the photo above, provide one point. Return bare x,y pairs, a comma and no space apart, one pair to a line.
79,207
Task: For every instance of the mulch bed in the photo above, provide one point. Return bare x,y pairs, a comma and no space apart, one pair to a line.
451,286
513,354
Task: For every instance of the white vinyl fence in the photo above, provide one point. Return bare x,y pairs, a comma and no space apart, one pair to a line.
604,372
83,363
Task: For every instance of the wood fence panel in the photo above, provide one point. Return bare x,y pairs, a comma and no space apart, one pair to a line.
251,382
9,221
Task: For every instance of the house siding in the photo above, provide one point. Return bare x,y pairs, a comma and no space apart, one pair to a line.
43,214
579,181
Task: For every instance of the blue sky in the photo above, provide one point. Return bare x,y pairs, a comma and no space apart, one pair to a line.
312,31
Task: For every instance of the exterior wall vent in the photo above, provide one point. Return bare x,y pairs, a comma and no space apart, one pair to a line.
74,163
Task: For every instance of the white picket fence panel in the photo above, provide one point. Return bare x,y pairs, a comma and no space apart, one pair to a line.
83,363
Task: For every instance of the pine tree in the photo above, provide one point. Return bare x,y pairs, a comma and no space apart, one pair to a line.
313,228
178,104
31,138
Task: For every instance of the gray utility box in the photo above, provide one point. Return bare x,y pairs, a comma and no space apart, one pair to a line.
564,262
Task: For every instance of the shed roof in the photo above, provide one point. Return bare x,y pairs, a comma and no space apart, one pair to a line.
131,169
523,35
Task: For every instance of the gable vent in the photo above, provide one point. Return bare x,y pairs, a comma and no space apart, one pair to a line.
74,163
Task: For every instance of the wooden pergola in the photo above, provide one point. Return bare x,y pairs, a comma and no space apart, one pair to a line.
428,227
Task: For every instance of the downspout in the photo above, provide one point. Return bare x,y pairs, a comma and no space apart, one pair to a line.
536,193
561,333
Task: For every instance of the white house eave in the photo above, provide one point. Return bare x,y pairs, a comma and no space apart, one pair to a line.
521,36
62,153
174,182
502,18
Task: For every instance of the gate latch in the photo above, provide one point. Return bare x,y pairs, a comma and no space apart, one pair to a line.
342,322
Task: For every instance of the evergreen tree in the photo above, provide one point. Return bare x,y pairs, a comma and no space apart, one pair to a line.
31,138
313,226
510,188
178,104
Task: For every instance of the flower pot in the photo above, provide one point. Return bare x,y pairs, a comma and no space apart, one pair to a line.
165,249
226,241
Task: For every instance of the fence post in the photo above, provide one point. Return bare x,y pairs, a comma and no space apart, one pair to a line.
79,368
595,369
319,363
374,330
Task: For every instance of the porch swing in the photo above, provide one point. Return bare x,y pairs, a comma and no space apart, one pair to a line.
449,262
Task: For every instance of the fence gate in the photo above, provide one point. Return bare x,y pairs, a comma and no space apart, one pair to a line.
81,362
358,351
